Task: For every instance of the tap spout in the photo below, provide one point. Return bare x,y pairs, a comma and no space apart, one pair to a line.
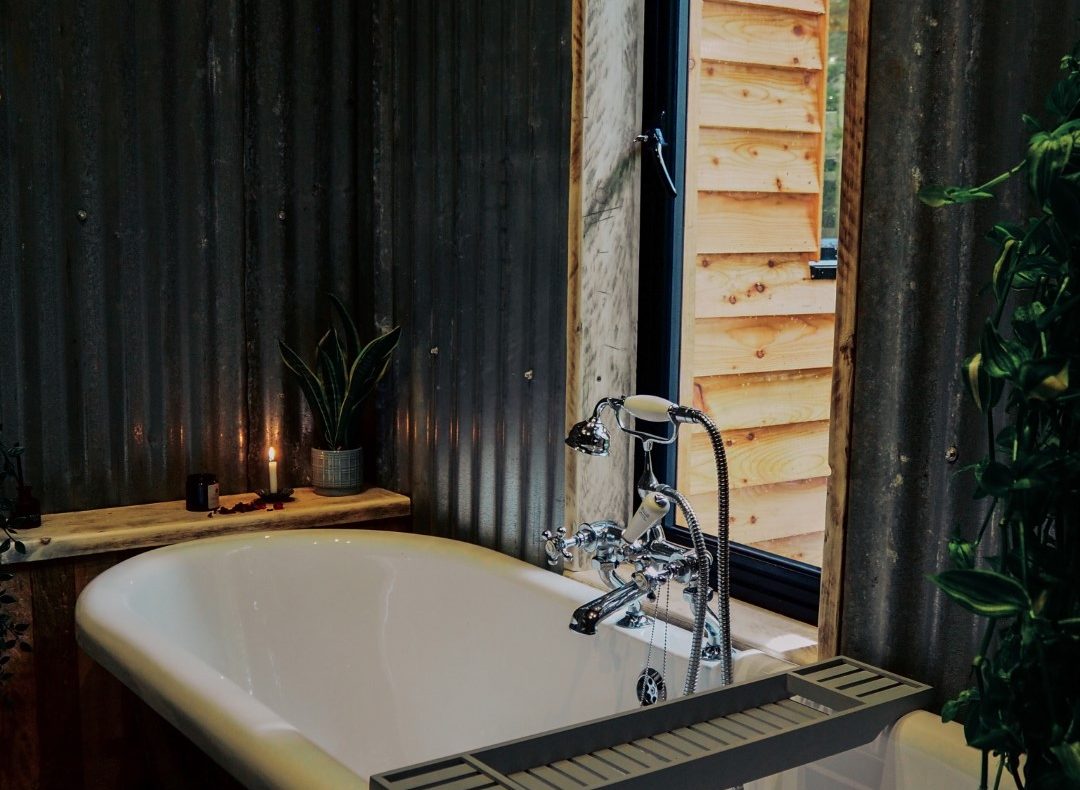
586,616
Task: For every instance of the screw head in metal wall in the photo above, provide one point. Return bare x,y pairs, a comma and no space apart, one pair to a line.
82,215
281,215
529,375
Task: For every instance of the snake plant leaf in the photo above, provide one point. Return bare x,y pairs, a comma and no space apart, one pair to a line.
373,362
310,385
352,336
984,592
1068,755
331,368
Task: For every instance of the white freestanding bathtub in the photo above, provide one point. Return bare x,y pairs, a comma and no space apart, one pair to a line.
318,658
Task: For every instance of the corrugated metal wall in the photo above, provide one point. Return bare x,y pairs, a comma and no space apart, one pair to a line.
946,91
180,186
478,97
181,183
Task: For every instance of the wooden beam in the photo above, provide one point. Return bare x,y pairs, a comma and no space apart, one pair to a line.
604,220
761,399
832,568
761,35
762,344
757,222
760,456
760,97
746,160
758,284
686,331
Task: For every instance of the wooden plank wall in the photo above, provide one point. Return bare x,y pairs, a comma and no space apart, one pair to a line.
758,347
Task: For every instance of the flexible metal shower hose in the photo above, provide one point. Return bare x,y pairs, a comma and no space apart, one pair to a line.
701,600
723,541
723,560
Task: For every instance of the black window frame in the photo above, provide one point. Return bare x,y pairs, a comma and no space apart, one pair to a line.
770,581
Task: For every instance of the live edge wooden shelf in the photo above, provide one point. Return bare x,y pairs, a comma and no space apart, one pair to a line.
161,523
69,724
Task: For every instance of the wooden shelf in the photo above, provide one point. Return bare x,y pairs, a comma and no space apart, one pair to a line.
161,523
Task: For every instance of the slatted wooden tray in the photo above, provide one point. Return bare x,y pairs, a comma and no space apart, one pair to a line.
714,739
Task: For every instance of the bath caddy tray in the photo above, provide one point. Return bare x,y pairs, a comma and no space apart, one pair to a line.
715,739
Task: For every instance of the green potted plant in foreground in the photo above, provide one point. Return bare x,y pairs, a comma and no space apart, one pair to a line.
1021,571
344,375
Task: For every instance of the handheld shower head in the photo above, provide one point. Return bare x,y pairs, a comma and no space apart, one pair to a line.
589,437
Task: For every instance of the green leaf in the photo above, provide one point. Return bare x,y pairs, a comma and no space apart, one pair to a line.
1048,154
1001,358
937,196
1068,755
994,478
332,370
959,704
1064,98
1031,123
352,336
1002,271
373,363
984,390
983,592
310,385
1045,379
962,553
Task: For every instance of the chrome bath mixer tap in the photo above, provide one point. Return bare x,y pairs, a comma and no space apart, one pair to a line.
643,544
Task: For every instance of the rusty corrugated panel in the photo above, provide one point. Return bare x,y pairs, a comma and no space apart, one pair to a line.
947,85
477,96
180,183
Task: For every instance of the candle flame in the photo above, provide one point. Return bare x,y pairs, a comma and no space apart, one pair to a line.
271,453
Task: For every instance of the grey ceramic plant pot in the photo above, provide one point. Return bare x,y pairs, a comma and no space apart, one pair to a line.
337,472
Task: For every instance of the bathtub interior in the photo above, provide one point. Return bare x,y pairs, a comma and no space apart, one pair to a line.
435,648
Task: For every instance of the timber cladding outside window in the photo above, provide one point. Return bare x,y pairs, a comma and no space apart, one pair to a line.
757,343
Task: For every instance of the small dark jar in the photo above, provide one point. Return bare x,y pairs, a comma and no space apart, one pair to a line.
203,492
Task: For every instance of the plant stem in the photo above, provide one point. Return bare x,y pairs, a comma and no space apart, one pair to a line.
993,182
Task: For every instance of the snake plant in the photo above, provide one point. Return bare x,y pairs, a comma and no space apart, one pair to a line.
1021,571
343,376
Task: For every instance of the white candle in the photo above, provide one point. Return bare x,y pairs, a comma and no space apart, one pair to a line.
273,472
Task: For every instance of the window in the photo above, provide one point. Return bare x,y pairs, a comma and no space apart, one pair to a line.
735,316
